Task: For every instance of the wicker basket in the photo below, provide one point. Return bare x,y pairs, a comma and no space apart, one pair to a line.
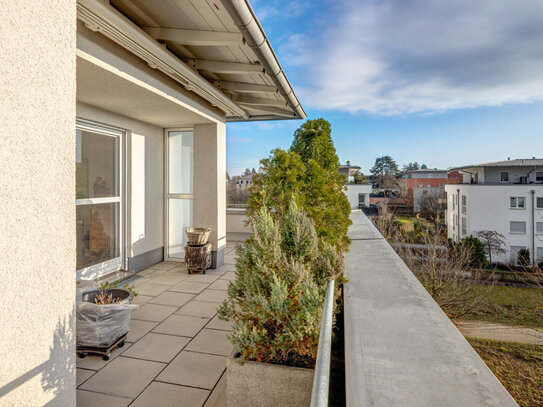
198,236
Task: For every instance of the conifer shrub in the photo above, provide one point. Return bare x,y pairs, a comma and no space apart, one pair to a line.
308,173
276,300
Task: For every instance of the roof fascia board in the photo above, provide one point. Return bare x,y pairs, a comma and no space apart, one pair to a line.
101,17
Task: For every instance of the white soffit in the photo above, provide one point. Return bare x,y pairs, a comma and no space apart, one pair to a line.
215,48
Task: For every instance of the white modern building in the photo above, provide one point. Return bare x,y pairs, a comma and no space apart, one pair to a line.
358,195
504,196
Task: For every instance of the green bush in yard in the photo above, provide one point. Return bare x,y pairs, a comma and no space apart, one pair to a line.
478,255
276,300
308,174
524,257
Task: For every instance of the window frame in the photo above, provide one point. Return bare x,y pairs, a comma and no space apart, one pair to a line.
517,202
517,222
502,177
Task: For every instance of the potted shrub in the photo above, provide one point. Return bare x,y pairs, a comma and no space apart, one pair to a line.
275,305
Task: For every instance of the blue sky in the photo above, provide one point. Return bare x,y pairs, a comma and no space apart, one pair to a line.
438,82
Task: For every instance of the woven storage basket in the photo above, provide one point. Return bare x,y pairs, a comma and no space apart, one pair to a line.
198,236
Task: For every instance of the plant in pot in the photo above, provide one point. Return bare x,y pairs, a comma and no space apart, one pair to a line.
275,304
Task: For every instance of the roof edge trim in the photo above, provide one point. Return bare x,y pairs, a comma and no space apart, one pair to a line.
244,17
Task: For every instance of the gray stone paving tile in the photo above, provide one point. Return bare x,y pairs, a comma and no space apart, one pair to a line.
125,377
153,312
170,395
211,341
182,325
157,347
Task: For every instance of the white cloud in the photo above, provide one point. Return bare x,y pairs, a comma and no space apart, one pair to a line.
397,57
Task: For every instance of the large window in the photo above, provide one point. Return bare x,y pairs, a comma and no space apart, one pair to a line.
539,203
539,176
464,204
539,253
517,202
464,227
98,200
180,146
504,176
518,228
539,227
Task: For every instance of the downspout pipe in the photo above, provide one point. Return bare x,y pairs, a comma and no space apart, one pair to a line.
244,17
533,226
458,210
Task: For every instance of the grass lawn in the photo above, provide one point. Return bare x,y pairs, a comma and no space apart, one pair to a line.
519,368
511,305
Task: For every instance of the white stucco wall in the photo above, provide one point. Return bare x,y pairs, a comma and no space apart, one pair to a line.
209,186
352,191
488,209
145,176
37,220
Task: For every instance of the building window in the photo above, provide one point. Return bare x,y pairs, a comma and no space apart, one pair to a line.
504,176
464,204
539,227
420,184
518,228
539,176
441,184
464,227
428,185
518,202
539,203
539,253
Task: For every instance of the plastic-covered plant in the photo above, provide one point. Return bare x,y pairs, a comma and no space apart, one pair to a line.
276,299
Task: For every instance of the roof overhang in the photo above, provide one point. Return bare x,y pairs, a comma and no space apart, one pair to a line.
223,56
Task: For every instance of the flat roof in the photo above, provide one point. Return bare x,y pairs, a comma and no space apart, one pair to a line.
519,162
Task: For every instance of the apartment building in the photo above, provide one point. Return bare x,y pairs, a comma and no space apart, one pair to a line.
504,196
426,184
242,181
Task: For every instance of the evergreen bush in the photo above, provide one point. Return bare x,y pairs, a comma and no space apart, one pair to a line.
276,300
524,257
308,174
478,255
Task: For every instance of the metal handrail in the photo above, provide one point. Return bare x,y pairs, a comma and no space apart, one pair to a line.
321,380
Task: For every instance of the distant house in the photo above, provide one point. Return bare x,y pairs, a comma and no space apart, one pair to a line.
504,196
349,171
420,185
357,194
242,181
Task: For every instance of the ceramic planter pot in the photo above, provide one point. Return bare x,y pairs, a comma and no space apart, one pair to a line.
263,384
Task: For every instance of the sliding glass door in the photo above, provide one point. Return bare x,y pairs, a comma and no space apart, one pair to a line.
178,185
98,200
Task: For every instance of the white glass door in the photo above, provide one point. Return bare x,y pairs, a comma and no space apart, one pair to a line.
98,200
178,185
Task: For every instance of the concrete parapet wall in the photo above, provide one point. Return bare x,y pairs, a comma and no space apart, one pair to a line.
400,347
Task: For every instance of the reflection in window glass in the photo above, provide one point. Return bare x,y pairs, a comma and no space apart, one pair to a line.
180,159
96,165
96,240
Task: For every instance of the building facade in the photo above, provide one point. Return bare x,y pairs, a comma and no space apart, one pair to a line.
112,143
421,186
242,181
506,197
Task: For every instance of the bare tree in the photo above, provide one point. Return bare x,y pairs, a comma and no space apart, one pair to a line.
494,242
430,203
444,270
385,222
